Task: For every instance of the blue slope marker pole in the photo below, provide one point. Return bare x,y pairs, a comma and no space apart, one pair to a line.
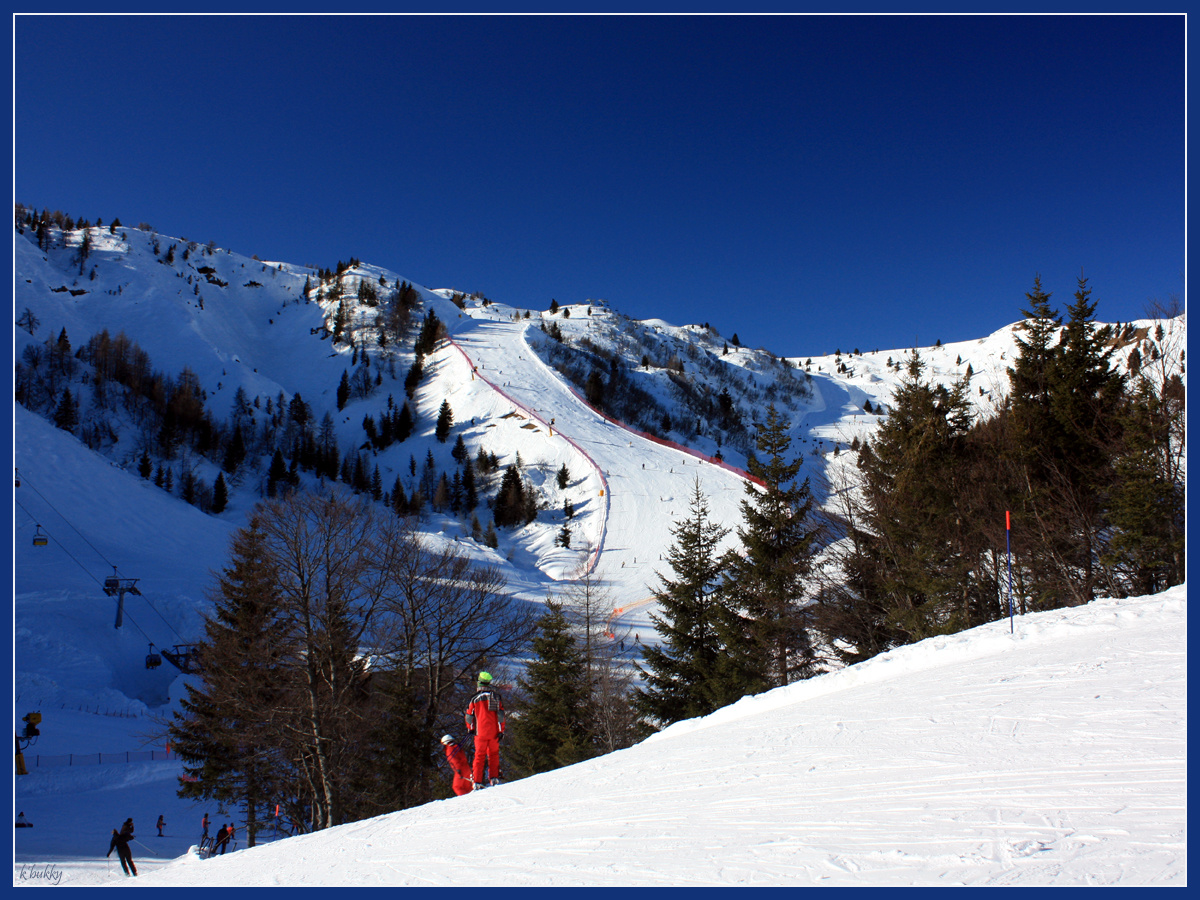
1008,546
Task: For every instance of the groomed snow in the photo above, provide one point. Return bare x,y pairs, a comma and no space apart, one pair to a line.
1053,756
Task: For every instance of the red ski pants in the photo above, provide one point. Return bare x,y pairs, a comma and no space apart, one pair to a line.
487,751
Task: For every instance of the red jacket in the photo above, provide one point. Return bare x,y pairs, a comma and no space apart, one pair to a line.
457,757
485,714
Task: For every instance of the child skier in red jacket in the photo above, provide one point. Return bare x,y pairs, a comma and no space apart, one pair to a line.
485,719
456,756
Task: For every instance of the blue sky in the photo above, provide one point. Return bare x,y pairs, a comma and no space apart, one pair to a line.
810,183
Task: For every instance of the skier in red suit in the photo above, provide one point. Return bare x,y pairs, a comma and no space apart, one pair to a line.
485,719
456,756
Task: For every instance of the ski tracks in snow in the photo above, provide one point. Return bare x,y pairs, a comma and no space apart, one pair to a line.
639,513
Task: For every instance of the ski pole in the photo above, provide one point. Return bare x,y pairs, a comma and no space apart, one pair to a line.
1008,547
148,850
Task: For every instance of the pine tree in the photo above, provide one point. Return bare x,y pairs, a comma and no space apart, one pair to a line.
1147,502
276,474
1084,397
220,494
1032,372
470,492
763,625
445,420
552,728
343,390
222,730
509,507
413,378
678,671
66,415
403,426
913,572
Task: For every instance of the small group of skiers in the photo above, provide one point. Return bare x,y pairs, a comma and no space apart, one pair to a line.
225,835
485,719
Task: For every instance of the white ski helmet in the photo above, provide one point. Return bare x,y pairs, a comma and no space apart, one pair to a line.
446,739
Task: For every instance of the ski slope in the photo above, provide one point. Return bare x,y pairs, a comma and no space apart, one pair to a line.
638,489
1056,755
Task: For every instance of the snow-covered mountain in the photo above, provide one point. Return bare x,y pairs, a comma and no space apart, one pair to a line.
246,328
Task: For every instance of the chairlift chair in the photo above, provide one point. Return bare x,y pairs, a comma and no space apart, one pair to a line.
153,660
40,538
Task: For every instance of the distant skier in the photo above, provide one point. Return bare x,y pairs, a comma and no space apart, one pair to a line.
120,843
220,840
485,719
456,756
204,825
161,824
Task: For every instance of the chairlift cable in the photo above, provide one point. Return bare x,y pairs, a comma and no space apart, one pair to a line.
25,480
62,546
75,559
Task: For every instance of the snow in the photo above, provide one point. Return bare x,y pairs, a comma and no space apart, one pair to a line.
1053,755
1056,755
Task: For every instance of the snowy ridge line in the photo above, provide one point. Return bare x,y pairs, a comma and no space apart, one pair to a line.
976,643
594,559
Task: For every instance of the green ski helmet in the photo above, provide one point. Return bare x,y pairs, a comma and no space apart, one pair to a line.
485,678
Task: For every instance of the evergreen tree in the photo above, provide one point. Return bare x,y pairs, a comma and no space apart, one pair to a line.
915,568
235,452
1032,372
413,378
445,420
220,494
678,671
398,499
1084,399
276,474
403,426
763,625
564,477
552,727
1147,502
509,508
222,730
66,414
343,390
470,493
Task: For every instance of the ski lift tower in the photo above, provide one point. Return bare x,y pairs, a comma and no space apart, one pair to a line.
118,587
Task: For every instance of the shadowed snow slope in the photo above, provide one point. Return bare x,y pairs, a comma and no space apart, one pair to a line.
1055,755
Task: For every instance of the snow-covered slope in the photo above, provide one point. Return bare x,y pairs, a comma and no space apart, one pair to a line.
1056,755
243,323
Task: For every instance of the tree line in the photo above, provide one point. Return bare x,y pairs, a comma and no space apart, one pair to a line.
1085,461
